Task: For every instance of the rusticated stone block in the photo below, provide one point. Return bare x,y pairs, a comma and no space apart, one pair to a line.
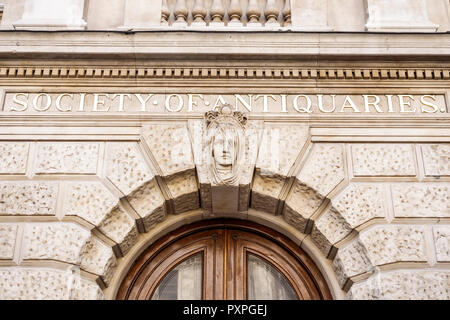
67,157
13,157
324,168
328,229
265,192
442,242
88,200
359,203
55,241
404,285
421,199
394,243
121,228
350,261
125,166
45,284
8,233
383,160
184,190
28,198
436,158
149,203
99,259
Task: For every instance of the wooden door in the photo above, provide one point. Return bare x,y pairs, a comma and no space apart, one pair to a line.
224,260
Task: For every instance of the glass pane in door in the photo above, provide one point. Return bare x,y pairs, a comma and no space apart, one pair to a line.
184,282
265,282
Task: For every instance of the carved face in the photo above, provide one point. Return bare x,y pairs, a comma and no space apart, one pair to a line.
224,148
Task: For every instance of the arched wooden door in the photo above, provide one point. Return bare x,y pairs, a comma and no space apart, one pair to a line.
224,259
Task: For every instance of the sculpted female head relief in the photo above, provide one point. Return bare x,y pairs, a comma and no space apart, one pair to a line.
225,144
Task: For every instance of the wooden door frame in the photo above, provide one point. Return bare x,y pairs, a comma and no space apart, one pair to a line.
164,242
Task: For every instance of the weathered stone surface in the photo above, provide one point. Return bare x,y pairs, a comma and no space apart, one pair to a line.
55,241
8,233
404,285
45,284
383,160
88,200
280,146
421,199
324,168
394,243
13,157
98,258
350,261
301,203
170,146
265,192
328,229
121,228
436,158
28,198
149,203
359,203
184,190
442,242
65,157
125,166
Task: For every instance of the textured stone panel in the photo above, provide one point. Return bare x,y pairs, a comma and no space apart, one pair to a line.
404,285
170,146
45,284
280,146
121,228
149,203
56,241
436,158
350,261
324,168
359,203
421,199
13,157
88,200
328,229
442,242
265,192
99,258
65,157
8,233
28,198
125,166
383,160
394,243
184,190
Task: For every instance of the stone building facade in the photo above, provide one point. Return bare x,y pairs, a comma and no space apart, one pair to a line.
102,126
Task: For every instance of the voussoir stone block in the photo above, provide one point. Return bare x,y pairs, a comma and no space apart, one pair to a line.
67,157
88,200
350,261
383,160
404,285
265,192
8,233
121,228
328,229
28,198
436,158
55,241
394,243
442,242
149,203
45,284
421,199
125,166
13,157
99,259
184,190
359,203
324,167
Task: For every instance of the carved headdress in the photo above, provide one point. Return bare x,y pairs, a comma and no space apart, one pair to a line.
227,128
